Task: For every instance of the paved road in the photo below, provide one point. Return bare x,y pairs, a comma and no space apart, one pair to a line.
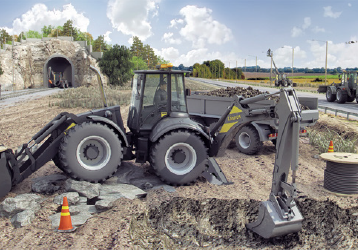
332,107
9,98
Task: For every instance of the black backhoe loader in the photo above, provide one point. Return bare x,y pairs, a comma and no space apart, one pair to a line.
92,145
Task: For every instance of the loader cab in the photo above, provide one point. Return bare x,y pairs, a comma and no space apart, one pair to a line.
156,94
349,78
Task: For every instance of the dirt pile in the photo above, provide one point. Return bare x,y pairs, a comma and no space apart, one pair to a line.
231,91
215,223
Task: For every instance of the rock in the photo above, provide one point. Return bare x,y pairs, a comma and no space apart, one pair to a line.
84,188
47,184
72,198
23,218
75,210
167,188
29,58
105,204
77,220
128,191
11,206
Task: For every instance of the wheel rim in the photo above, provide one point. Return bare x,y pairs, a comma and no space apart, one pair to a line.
339,95
93,153
244,140
180,158
329,94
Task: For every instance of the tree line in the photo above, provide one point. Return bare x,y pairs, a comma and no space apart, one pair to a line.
215,69
67,29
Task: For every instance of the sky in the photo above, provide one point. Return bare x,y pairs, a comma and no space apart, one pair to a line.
237,32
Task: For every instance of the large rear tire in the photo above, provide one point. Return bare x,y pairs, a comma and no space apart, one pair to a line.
90,152
179,157
330,96
248,140
342,96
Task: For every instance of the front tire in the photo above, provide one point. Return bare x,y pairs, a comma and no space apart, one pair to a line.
330,96
341,96
90,152
248,140
179,157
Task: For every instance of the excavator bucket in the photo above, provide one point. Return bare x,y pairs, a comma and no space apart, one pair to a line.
270,224
5,174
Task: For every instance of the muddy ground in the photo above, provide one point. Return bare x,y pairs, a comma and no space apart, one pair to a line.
198,216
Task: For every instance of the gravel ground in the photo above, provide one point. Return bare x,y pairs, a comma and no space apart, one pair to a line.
198,216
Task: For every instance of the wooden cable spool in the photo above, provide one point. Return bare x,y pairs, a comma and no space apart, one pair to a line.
341,173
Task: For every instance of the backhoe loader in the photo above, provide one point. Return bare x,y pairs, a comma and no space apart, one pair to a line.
92,145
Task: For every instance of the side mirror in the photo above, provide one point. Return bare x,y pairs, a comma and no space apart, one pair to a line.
187,92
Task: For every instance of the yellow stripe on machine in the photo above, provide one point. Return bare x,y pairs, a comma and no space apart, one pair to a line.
72,125
227,126
235,110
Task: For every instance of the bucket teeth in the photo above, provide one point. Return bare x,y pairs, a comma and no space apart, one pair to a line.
269,223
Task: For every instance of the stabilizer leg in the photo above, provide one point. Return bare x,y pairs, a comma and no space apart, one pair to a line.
214,174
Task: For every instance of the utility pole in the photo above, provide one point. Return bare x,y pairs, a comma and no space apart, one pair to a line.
236,72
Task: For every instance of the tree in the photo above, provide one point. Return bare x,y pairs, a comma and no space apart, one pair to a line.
161,60
137,48
99,45
33,34
46,30
5,37
138,63
1,71
116,64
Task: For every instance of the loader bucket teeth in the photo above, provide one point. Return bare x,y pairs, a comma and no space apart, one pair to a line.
269,224
5,176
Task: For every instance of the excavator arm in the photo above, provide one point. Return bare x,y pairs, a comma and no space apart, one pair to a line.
279,215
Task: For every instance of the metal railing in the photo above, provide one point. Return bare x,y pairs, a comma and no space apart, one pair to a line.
338,112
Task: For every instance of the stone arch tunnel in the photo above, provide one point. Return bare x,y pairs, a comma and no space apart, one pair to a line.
59,63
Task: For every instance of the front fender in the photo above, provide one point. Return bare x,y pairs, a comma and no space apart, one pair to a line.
112,124
169,124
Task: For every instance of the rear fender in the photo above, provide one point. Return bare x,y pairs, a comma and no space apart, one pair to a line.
333,89
169,124
263,130
112,125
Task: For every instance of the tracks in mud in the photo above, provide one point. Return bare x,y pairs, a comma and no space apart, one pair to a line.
214,223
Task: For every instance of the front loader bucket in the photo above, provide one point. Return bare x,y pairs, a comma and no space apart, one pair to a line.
5,176
269,224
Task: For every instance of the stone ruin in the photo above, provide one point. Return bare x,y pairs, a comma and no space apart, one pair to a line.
25,65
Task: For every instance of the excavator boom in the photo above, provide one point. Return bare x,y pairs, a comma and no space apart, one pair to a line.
279,215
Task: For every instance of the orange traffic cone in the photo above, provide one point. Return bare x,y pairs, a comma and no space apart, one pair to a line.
65,222
330,148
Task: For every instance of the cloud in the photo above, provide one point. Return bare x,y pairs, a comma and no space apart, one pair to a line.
329,13
106,37
349,5
175,22
317,29
200,27
297,31
39,15
168,38
131,17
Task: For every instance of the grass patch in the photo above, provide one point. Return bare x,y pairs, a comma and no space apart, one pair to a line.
321,139
90,97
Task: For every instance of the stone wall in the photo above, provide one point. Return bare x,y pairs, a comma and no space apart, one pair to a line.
29,59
